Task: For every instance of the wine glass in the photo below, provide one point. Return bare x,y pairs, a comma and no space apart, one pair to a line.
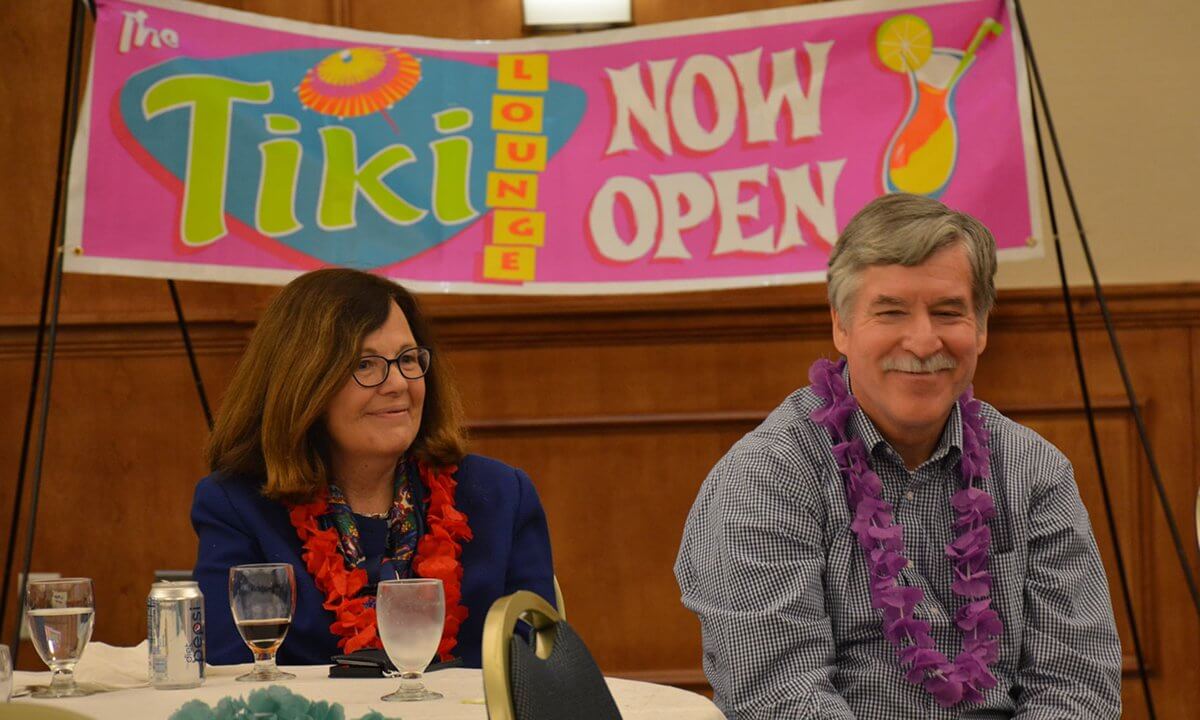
262,598
410,614
60,615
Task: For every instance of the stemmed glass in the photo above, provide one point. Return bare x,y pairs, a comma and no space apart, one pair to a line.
60,615
410,614
262,598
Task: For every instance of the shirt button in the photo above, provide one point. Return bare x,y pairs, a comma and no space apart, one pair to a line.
908,495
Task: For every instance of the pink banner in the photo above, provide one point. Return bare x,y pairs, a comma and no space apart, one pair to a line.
717,153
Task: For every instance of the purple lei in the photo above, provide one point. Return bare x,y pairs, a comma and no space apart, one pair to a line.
883,542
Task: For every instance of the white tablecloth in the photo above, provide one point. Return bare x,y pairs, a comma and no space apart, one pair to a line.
463,690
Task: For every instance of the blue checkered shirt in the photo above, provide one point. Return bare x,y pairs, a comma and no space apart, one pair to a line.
769,564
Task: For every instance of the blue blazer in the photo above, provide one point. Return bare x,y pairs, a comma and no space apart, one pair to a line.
236,525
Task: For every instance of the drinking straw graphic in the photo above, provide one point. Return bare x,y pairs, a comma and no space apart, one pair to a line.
923,152
986,28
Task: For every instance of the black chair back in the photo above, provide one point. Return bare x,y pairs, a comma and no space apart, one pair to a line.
549,676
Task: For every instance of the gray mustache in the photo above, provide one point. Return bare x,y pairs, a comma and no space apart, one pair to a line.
911,364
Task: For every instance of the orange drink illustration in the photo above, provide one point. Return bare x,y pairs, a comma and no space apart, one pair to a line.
921,156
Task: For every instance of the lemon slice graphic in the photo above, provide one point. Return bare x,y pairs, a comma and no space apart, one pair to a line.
904,43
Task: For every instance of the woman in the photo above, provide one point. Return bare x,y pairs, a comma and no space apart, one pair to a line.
339,449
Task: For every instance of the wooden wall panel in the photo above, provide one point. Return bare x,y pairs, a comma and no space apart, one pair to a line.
654,11
124,441
1026,361
627,491
1128,490
465,19
634,378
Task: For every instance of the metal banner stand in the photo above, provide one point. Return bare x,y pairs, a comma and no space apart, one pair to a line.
1143,435
51,295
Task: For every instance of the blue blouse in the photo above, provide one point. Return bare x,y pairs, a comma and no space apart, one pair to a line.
372,538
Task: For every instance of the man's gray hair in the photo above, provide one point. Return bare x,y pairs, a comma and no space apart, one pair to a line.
902,229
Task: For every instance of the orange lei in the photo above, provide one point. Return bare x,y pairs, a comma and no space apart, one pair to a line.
438,556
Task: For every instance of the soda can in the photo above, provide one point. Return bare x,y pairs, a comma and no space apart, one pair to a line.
175,629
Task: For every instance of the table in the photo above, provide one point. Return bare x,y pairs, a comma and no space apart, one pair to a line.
463,690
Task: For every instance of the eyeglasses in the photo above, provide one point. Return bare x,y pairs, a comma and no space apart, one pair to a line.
372,370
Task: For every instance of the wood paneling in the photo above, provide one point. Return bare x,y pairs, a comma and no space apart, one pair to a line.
617,407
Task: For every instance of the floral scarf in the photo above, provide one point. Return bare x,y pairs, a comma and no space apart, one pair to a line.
334,560
403,528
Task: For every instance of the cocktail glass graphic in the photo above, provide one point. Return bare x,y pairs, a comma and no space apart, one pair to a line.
921,156
360,81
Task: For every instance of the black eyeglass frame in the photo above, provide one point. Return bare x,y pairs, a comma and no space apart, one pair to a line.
387,366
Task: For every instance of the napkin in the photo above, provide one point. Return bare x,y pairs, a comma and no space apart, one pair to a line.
105,667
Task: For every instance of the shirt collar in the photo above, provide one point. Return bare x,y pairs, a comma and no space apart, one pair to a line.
947,451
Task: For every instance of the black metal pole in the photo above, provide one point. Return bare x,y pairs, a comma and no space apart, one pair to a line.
191,353
53,271
183,328
35,485
1035,80
1095,441
52,277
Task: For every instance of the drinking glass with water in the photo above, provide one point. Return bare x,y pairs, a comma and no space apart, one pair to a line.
60,615
411,614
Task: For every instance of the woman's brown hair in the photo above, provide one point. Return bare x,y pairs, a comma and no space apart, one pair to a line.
302,352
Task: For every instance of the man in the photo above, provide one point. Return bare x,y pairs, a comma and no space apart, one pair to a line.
882,546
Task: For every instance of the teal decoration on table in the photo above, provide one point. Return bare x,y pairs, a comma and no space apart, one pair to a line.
274,702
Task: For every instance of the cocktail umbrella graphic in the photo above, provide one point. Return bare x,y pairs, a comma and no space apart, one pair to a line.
921,156
360,81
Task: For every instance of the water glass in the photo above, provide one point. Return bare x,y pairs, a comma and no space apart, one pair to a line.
263,598
6,674
410,614
60,615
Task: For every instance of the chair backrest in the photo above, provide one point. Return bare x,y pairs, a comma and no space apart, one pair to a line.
550,677
561,604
